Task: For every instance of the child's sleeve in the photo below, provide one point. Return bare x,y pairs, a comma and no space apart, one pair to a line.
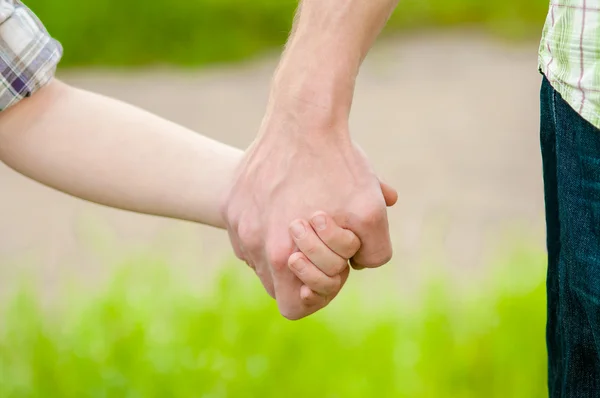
28,54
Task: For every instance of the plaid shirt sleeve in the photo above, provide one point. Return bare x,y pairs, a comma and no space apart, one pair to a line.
28,54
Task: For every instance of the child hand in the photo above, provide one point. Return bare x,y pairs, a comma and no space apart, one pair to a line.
322,260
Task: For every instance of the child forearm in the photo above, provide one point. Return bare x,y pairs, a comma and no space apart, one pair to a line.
115,154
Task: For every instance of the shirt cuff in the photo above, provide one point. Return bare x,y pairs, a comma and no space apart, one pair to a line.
28,54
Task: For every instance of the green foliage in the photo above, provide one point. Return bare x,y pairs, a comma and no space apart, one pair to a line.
196,32
149,335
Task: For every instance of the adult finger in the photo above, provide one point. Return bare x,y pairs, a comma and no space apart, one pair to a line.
389,194
372,229
264,274
252,252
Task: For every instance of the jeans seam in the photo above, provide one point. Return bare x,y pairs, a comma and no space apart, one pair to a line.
554,107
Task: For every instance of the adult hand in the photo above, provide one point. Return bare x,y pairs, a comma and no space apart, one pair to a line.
287,174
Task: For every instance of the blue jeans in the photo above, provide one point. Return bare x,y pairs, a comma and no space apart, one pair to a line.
571,160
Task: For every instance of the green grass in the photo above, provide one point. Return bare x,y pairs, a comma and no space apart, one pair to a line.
198,32
150,334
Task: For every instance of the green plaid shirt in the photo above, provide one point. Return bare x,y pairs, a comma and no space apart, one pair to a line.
28,55
569,54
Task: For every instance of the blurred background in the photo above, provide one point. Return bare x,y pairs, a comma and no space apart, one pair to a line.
102,303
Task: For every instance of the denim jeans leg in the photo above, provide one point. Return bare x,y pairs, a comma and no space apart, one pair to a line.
571,153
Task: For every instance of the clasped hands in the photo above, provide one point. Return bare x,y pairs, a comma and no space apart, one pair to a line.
302,207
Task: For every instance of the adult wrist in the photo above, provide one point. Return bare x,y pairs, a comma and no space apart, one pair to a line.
311,100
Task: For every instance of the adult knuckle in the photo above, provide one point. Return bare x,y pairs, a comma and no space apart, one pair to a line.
372,216
378,259
278,259
385,256
249,234
291,314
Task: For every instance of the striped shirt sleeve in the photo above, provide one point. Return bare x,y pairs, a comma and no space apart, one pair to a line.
28,54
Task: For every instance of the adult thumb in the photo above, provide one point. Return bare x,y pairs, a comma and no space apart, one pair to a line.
389,194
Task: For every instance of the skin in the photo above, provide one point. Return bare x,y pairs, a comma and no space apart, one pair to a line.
303,159
133,160
127,158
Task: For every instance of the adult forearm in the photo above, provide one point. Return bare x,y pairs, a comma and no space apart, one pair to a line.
111,153
329,41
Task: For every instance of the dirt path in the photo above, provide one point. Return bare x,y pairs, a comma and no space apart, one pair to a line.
450,120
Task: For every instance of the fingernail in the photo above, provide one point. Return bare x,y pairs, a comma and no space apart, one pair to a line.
320,222
298,230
